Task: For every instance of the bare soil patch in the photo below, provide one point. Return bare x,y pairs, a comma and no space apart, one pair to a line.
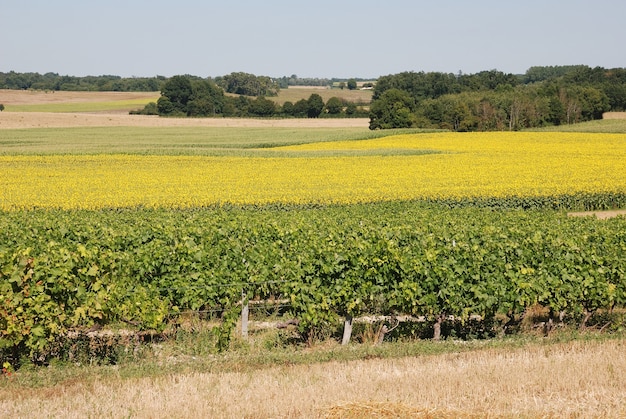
12,120
600,215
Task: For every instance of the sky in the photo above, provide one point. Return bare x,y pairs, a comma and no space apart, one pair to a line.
320,38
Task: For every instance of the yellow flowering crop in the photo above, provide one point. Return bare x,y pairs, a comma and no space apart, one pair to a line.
467,165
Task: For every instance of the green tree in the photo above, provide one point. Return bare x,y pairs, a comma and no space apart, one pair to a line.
248,84
489,80
450,112
165,106
288,108
200,107
352,84
351,108
614,87
315,105
206,100
1,107
301,108
334,106
419,86
178,92
184,95
262,107
242,105
394,109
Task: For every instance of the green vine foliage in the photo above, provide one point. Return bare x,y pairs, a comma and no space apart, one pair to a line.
72,270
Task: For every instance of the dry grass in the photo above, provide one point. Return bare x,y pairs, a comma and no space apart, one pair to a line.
568,380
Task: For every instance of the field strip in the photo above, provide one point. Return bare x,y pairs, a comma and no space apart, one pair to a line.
600,215
12,120
576,380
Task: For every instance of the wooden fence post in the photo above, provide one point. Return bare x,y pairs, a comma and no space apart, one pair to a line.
347,330
245,310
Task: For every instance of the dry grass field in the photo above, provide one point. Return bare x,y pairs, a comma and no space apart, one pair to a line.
566,380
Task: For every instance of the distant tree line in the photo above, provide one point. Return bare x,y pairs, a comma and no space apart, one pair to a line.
237,82
488,100
493,100
54,81
189,96
248,84
293,80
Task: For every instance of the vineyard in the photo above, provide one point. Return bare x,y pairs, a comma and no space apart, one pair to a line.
437,226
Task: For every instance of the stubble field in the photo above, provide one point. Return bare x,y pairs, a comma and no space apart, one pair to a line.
568,380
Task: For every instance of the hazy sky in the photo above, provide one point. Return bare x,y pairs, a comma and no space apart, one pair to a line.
320,38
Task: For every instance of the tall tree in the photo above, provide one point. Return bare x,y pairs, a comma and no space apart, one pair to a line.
394,109
334,105
262,107
315,105
177,91
248,84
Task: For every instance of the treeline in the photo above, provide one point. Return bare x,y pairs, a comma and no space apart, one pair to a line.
236,82
195,97
493,100
293,80
54,81
250,84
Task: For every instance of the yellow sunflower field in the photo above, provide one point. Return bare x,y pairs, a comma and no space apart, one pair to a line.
401,167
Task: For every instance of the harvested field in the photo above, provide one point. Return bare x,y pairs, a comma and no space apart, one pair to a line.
39,97
572,380
614,115
11,120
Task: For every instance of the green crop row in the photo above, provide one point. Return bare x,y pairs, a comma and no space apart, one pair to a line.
64,270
